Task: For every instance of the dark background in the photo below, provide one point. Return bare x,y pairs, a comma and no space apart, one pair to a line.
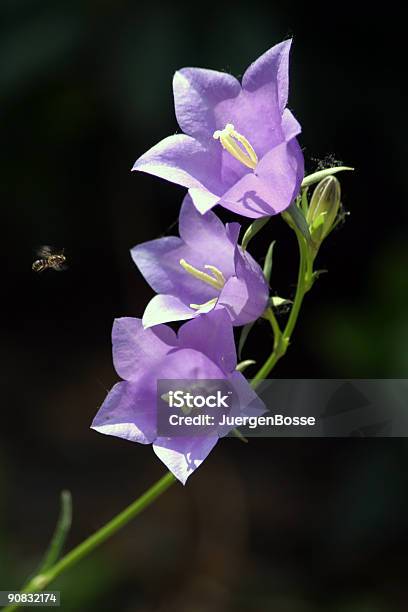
280,525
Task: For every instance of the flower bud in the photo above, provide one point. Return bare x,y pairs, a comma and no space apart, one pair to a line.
323,208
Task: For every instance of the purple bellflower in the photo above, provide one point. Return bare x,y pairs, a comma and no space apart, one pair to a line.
238,148
203,270
203,349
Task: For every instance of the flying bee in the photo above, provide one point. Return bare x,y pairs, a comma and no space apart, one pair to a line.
49,259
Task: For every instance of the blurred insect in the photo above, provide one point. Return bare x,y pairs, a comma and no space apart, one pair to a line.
49,259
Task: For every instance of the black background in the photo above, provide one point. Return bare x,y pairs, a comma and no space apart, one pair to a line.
282,525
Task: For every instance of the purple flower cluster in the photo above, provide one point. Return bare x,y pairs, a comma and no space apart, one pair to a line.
239,150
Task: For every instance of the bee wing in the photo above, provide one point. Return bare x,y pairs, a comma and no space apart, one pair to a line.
45,251
60,267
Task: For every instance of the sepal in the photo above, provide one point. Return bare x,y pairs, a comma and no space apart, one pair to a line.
311,179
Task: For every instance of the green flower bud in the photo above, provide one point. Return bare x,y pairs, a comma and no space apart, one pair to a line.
323,209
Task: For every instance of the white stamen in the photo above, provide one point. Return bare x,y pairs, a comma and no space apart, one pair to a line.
217,280
231,141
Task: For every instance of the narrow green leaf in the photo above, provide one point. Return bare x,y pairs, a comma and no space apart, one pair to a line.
321,174
60,533
297,218
267,269
239,435
253,229
318,273
243,337
243,365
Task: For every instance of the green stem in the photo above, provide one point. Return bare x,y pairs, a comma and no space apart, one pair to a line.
282,339
41,581
305,281
270,315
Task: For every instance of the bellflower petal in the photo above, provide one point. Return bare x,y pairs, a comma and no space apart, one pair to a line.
254,406
203,200
164,309
135,349
245,295
271,70
183,160
129,412
197,92
213,336
159,262
235,297
198,230
233,230
148,255
247,398
290,125
184,455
